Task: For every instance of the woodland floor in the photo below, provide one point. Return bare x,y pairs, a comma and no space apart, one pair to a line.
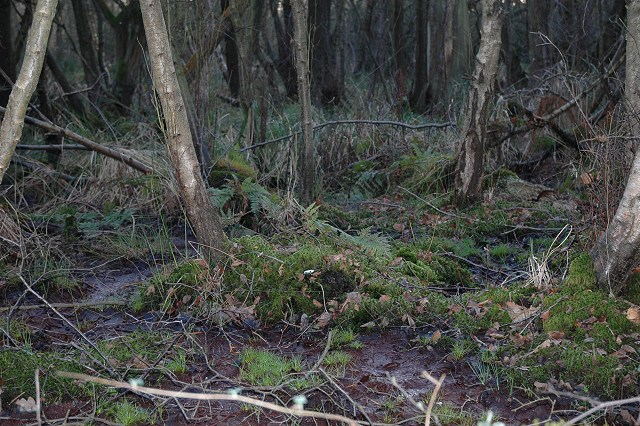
174,347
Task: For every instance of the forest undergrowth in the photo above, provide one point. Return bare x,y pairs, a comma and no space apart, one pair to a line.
379,302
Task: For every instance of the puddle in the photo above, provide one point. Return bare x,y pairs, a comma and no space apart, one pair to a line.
116,283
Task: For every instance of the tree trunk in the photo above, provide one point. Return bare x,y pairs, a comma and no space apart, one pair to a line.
231,54
470,165
200,212
617,251
284,35
325,87
6,51
420,95
307,163
540,53
85,42
27,81
128,63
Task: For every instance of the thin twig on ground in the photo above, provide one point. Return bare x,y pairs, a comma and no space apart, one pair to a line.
295,411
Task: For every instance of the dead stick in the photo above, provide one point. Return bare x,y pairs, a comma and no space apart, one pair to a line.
109,152
67,305
295,411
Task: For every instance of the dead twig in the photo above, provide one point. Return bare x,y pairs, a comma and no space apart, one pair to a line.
602,406
342,391
296,410
434,395
69,323
77,305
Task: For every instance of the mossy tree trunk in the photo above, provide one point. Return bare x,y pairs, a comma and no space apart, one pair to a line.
201,214
470,165
307,163
27,81
617,251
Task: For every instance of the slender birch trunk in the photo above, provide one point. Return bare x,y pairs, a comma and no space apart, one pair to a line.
307,163
201,214
617,252
27,81
470,160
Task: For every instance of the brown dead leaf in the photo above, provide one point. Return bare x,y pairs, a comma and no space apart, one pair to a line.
317,304
427,256
384,298
556,335
396,262
519,313
454,309
353,300
323,320
398,227
633,314
520,341
545,315
586,179
237,262
436,336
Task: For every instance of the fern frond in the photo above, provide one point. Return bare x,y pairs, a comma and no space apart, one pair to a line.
374,243
259,198
220,196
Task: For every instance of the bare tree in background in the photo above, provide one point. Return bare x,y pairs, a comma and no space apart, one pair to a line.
27,81
6,51
201,213
470,165
304,97
617,252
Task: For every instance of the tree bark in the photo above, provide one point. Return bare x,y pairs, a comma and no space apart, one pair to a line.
6,51
85,42
231,55
307,169
27,81
284,35
540,53
200,212
617,251
420,95
128,63
470,165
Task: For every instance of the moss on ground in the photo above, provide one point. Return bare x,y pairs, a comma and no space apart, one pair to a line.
587,338
17,371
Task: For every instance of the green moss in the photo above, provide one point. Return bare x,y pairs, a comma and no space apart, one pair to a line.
145,346
181,288
431,268
263,368
232,167
581,275
297,277
600,375
129,414
632,291
501,251
17,369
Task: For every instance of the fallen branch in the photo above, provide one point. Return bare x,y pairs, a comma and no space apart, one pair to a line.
77,305
295,411
340,122
602,406
51,147
94,146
